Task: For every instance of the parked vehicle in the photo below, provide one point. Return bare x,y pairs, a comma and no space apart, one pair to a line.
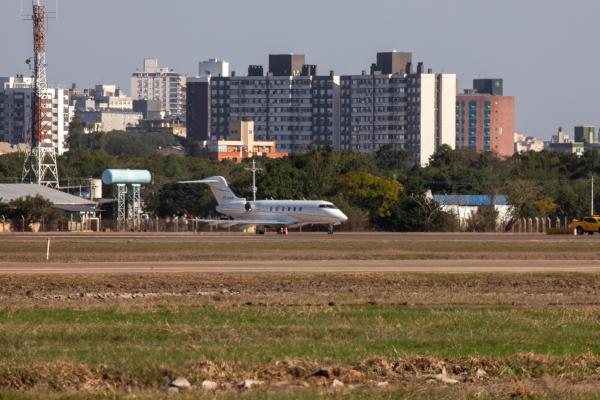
587,225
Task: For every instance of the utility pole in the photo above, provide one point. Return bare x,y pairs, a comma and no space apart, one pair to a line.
592,213
40,163
253,169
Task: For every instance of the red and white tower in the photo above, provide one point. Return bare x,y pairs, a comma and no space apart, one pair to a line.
40,164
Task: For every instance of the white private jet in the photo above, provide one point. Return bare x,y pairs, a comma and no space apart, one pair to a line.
263,213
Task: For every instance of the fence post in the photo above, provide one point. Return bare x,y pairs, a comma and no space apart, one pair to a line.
543,225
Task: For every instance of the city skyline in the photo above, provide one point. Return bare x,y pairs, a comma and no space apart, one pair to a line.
539,49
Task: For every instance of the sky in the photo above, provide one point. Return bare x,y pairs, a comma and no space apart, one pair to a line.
545,50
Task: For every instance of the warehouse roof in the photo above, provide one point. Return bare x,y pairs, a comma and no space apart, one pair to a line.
62,200
473,200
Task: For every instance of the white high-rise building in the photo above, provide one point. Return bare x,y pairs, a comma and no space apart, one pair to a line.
160,83
15,112
431,117
213,67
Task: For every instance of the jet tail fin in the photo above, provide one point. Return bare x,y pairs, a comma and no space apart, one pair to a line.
220,189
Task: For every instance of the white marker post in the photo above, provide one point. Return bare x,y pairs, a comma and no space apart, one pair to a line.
47,249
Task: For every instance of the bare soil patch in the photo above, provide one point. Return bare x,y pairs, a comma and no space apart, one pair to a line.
298,289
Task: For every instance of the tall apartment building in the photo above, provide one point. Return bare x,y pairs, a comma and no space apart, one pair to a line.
213,67
373,111
397,106
486,121
198,95
160,83
431,113
292,104
586,134
15,112
198,108
299,112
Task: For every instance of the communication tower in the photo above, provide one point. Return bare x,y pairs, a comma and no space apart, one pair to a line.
40,163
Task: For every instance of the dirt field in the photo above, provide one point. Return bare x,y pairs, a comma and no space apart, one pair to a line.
354,316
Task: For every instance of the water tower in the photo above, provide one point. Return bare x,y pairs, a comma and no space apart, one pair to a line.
128,183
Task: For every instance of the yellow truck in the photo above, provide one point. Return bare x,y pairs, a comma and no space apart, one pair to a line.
587,225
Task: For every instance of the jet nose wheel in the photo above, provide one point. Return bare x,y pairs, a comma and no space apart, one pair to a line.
330,229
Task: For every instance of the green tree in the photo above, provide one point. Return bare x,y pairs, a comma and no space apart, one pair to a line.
483,220
76,141
4,210
11,167
416,212
33,209
529,200
371,192
177,199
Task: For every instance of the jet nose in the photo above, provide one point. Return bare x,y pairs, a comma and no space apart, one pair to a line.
342,217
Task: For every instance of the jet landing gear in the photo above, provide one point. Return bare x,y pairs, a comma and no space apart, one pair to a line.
330,230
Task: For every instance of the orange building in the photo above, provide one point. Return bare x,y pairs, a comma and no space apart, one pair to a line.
485,119
240,144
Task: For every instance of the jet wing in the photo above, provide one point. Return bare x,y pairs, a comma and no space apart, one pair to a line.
234,222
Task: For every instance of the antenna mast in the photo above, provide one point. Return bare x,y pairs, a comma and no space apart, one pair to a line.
40,163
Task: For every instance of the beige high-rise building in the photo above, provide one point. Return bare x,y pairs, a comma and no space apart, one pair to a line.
160,83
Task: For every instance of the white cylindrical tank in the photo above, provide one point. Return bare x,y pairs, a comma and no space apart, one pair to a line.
96,189
116,176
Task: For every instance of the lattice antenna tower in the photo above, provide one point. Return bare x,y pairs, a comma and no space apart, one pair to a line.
40,163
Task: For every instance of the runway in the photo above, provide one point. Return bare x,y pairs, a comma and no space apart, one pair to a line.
342,236
308,252
307,266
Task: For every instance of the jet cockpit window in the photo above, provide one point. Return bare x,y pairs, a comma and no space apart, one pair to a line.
327,206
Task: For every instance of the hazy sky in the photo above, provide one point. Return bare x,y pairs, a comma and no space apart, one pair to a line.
546,51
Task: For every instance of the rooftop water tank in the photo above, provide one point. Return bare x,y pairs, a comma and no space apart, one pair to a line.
129,176
96,187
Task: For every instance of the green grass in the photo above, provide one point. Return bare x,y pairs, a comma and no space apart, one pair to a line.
56,351
310,394
183,336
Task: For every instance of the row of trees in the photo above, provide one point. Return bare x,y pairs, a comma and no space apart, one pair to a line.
28,210
385,190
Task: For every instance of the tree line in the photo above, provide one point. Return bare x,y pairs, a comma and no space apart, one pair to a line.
386,190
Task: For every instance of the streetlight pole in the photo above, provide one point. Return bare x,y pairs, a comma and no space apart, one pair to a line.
592,202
